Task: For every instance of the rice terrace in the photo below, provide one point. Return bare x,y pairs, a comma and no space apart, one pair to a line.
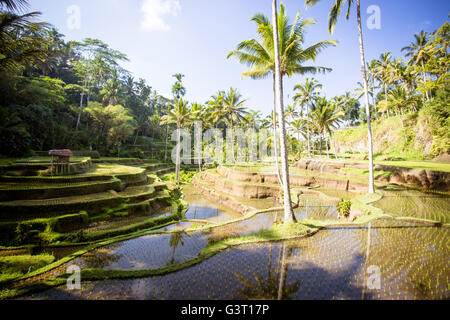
327,179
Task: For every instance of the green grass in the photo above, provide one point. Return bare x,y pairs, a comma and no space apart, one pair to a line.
48,159
14,267
411,164
365,173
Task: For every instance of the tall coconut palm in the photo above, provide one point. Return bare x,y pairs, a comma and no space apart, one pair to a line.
360,91
260,55
197,115
289,216
401,100
372,73
253,118
233,110
383,66
307,94
326,115
299,127
178,91
418,53
181,115
335,13
214,110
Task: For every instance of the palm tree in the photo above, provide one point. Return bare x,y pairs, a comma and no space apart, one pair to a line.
307,94
260,56
401,100
253,118
214,112
21,41
14,5
298,127
418,53
335,12
383,73
197,115
112,90
178,90
180,115
326,115
233,110
289,216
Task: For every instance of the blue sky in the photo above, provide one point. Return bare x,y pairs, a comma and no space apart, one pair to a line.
193,37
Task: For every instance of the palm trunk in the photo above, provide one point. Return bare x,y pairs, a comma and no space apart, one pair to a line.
386,97
335,149
309,135
366,92
320,144
81,104
178,160
288,212
327,146
275,138
167,138
425,80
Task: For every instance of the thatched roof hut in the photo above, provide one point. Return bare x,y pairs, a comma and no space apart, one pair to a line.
61,153
62,162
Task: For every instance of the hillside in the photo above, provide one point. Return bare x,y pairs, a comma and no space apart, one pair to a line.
412,140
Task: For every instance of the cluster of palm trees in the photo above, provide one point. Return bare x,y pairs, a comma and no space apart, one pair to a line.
224,110
405,85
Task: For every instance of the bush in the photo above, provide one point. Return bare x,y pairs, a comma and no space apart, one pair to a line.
185,176
344,208
438,111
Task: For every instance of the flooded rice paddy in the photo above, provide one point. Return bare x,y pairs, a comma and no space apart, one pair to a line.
411,203
314,207
410,262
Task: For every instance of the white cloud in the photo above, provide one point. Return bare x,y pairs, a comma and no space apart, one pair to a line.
154,10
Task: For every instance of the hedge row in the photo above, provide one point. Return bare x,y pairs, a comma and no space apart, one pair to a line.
131,180
56,179
49,192
129,161
178,209
26,232
8,211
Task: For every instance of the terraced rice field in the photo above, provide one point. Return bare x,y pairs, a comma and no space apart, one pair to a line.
412,203
123,222
413,262
203,209
149,252
346,195
313,207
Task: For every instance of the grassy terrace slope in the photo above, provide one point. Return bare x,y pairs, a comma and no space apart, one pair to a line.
44,209
390,140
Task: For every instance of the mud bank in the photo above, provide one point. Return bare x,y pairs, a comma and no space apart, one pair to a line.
428,179
295,179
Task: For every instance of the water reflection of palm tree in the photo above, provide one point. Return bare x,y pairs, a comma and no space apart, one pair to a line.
274,286
176,239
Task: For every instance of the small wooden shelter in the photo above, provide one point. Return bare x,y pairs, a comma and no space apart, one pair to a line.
60,163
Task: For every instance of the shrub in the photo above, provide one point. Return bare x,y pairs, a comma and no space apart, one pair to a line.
344,208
